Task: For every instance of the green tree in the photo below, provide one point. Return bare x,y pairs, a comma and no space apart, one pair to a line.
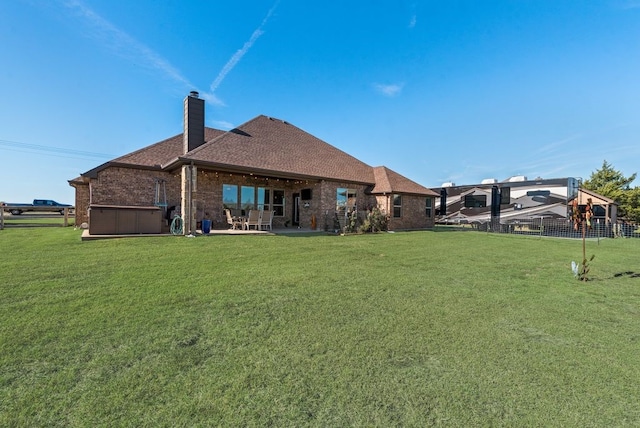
609,182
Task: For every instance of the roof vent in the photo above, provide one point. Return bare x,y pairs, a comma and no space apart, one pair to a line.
194,94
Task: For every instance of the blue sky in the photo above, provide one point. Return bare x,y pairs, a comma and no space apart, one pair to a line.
436,90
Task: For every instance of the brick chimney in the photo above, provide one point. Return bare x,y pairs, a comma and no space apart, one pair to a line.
193,121
193,137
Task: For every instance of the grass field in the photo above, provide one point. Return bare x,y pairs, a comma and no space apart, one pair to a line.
405,329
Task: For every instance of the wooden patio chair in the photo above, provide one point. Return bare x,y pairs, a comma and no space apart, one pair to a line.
233,224
252,220
266,219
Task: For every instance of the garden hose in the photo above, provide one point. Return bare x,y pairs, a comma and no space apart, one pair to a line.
176,225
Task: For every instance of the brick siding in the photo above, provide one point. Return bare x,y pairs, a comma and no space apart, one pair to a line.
137,187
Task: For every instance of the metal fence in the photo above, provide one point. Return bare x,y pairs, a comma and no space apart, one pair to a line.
560,228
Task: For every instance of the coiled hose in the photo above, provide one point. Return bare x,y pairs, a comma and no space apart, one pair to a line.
176,225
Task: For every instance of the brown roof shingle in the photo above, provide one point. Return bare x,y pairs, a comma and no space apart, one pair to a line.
162,152
265,145
269,145
388,181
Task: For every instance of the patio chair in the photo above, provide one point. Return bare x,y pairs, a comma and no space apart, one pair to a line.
266,219
231,221
252,220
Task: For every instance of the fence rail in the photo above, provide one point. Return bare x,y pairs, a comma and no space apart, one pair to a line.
560,228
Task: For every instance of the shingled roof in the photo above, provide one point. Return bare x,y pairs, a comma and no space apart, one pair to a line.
163,152
265,145
268,146
153,156
388,181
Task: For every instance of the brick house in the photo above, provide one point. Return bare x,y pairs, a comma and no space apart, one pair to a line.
264,163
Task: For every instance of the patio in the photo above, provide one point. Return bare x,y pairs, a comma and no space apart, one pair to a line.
214,232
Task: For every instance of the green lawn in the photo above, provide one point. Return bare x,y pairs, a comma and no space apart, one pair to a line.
406,329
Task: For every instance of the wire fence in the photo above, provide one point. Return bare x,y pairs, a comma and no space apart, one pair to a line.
552,227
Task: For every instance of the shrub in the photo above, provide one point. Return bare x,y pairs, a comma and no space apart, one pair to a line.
375,221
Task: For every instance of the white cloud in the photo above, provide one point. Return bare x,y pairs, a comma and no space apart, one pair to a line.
414,20
212,99
223,124
557,145
631,4
390,90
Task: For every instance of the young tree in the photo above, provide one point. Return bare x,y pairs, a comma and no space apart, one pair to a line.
609,182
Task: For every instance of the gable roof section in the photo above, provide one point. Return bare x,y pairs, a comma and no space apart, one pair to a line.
266,145
599,198
155,155
269,146
388,181
164,151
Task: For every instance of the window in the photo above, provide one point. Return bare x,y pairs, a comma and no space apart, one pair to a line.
505,196
475,201
429,207
278,203
248,198
251,198
543,193
397,206
345,200
230,196
263,198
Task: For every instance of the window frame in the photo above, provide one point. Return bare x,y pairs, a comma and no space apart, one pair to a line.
230,204
347,203
396,203
479,201
253,197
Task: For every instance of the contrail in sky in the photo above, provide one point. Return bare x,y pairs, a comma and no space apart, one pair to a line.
240,53
127,46
124,43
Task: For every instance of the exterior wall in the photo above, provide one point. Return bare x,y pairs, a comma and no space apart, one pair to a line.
326,214
137,187
414,212
209,203
82,203
322,204
126,187
132,187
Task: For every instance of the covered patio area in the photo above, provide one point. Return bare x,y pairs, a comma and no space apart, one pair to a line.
86,236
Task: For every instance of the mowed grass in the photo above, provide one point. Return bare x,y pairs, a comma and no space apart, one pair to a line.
405,329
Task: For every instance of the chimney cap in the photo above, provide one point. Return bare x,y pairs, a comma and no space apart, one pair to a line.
194,94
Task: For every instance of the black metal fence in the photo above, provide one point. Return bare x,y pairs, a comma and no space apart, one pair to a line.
560,228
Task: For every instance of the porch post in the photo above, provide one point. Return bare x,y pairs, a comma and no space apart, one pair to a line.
189,198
